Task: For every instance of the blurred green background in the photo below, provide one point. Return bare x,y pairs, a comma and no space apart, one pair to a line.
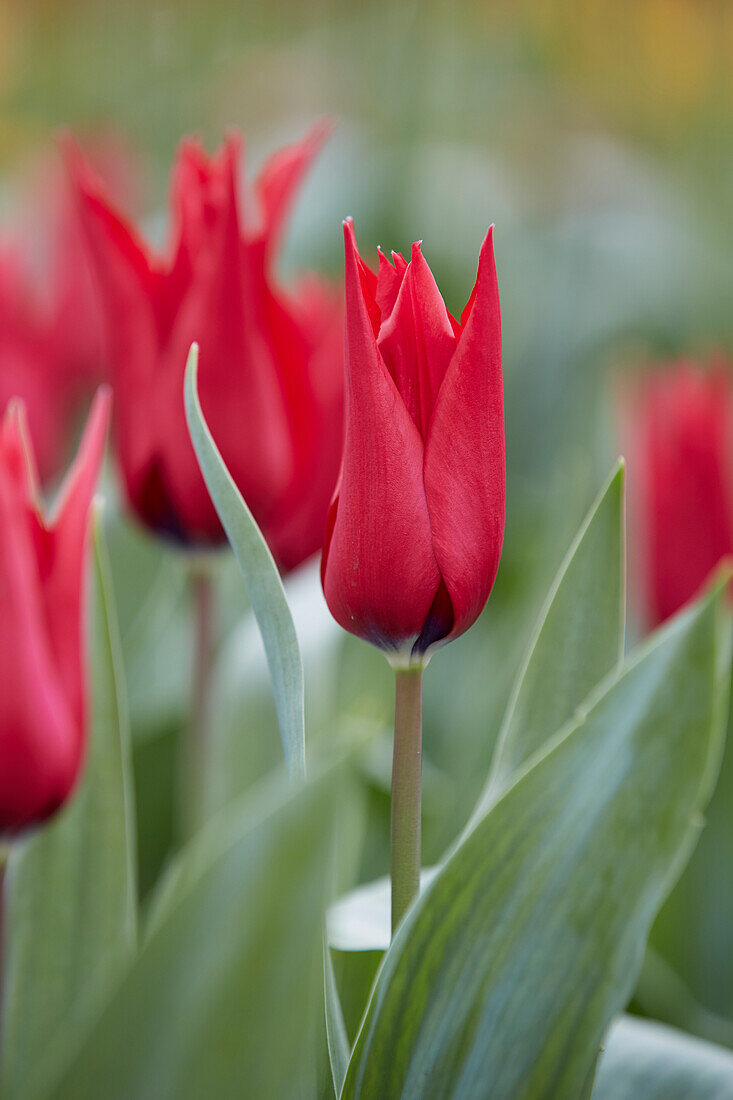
598,138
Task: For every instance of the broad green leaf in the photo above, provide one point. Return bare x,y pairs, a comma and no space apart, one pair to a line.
70,887
505,974
264,587
692,933
642,1060
223,997
578,640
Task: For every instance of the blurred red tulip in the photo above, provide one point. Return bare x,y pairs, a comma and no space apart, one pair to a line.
271,362
74,303
677,424
29,367
43,689
416,527
50,316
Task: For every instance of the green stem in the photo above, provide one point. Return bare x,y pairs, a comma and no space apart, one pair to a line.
4,852
406,791
193,746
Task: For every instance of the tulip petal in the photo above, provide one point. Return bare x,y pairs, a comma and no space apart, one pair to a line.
131,291
417,340
280,179
62,543
380,574
17,450
296,529
228,310
389,281
38,735
465,479
199,193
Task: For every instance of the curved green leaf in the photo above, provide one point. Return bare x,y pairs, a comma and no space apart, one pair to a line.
264,587
339,1048
648,1061
505,974
577,642
71,893
222,999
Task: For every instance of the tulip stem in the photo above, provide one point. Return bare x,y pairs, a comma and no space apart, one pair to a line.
406,791
194,743
4,852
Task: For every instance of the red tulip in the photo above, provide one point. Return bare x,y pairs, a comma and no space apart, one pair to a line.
416,527
43,689
678,427
50,319
29,366
270,362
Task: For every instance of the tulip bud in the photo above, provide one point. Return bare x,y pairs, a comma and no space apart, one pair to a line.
271,375
43,689
676,425
416,526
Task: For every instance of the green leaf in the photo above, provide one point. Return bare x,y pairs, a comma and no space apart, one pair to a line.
339,1048
578,640
70,887
506,972
223,997
647,1061
264,587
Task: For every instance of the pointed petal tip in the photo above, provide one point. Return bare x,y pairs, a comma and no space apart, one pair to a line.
99,414
350,235
320,131
66,143
233,141
488,241
86,182
383,259
78,487
15,411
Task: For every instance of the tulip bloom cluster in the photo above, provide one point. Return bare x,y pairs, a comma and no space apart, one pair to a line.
271,362
678,424
43,698
413,537
416,528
